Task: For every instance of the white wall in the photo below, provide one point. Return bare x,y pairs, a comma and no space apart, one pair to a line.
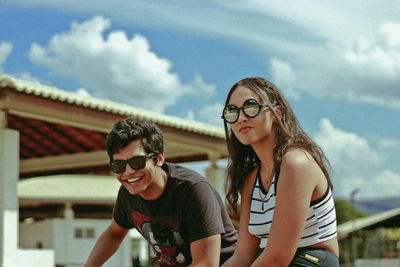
75,250
377,262
35,258
9,167
38,232
10,254
59,234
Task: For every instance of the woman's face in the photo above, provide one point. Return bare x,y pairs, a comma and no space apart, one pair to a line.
250,131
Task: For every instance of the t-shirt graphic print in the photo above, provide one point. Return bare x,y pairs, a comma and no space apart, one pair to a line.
163,236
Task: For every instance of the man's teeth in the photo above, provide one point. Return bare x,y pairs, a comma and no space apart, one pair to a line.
132,180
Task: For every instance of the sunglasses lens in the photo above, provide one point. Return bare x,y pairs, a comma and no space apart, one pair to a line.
118,166
137,163
231,113
251,108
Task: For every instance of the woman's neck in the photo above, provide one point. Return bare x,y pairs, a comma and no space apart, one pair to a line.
265,152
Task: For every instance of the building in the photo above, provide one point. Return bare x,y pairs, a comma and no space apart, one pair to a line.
84,210
361,244
45,131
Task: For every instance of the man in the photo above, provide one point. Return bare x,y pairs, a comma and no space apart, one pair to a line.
179,213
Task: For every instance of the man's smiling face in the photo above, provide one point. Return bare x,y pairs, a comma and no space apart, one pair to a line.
144,182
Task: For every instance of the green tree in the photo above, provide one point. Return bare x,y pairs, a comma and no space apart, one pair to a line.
346,212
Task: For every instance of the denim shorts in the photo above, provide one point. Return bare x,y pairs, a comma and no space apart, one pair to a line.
314,257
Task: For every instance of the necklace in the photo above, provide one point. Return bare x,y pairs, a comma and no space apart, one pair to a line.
266,188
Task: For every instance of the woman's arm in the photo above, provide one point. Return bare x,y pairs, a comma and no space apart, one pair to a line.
300,179
247,244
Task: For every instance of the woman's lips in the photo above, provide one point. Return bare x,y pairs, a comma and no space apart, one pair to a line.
244,129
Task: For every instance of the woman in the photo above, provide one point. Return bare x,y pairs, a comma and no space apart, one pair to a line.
281,174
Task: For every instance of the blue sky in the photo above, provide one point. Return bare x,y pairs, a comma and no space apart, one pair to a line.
338,63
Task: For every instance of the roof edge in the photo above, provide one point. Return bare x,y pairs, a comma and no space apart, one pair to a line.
72,98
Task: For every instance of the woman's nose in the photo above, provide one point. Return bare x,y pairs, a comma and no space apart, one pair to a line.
242,116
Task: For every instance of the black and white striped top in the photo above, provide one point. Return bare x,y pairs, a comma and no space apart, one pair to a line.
319,226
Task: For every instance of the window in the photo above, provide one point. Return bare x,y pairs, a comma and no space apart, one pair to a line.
87,233
78,233
90,233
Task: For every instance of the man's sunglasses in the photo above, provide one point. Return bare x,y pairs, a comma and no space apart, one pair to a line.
136,163
251,108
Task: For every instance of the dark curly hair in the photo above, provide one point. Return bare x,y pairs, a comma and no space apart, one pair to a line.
130,129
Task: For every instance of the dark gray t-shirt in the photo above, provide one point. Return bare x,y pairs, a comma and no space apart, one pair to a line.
189,209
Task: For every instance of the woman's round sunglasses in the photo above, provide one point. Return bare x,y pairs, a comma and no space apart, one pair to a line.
251,108
136,163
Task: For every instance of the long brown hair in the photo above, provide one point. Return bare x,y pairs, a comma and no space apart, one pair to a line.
289,134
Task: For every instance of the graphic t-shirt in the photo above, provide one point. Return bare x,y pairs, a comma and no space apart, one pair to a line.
189,209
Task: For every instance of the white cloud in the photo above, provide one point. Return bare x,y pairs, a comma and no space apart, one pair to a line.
83,92
329,20
5,51
364,70
211,114
384,184
190,115
28,77
389,143
354,162
379,57
115,67
326,18
284,76
343,146
333,50
199,87
390,32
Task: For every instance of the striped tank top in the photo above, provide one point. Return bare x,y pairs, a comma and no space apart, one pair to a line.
319,226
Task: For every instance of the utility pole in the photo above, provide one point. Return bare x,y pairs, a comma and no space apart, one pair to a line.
353,253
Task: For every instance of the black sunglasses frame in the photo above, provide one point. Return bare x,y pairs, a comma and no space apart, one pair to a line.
133,163
260,106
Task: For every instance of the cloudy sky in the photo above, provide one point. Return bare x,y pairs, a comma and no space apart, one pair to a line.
338,62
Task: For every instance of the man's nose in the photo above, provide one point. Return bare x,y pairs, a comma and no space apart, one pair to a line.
129,169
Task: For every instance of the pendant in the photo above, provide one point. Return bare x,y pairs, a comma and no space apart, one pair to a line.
262,205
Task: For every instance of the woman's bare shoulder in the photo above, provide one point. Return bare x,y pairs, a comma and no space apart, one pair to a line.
298,165
297,158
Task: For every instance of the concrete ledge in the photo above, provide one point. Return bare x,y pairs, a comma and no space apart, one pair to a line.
35,258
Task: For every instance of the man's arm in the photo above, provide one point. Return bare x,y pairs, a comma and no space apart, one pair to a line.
106,245
206,251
